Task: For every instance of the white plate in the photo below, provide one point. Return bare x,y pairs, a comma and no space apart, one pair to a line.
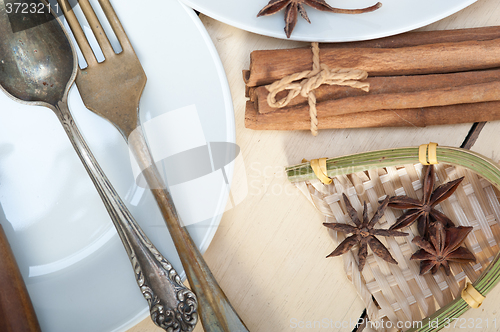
395,16
76,270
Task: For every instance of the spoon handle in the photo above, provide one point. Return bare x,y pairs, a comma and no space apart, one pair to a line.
216,312
173,307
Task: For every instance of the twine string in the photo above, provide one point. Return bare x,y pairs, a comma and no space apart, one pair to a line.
305,82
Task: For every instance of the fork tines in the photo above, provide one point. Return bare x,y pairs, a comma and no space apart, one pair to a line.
97,29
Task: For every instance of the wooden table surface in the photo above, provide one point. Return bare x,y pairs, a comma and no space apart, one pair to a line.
269,251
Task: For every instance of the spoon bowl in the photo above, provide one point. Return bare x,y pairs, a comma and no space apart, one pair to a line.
37,65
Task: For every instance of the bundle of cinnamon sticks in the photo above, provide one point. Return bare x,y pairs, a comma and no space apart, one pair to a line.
416,79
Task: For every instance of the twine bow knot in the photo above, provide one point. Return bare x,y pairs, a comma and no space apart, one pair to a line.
309,80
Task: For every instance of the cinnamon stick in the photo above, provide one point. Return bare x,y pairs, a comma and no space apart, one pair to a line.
267,66
421,117
394,92
415,38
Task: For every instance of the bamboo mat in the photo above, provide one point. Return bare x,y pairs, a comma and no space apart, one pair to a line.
397,293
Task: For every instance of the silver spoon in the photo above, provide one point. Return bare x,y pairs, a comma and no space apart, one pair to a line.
37,67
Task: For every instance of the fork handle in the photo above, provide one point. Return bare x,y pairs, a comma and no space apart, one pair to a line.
173,307
216,312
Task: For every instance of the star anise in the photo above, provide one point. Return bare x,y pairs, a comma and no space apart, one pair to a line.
364,234
424,210
442,247
292,7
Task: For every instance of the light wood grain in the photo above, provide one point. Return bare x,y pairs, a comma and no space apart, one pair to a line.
269,251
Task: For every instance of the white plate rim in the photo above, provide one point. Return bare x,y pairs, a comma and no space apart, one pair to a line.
205,8
230,136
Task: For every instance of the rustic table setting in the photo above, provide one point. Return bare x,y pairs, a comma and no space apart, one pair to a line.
269,251
388,99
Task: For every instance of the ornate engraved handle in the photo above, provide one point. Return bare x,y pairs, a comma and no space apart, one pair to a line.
216,312
173,307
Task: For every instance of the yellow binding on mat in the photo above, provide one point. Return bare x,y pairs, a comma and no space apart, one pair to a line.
427,154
